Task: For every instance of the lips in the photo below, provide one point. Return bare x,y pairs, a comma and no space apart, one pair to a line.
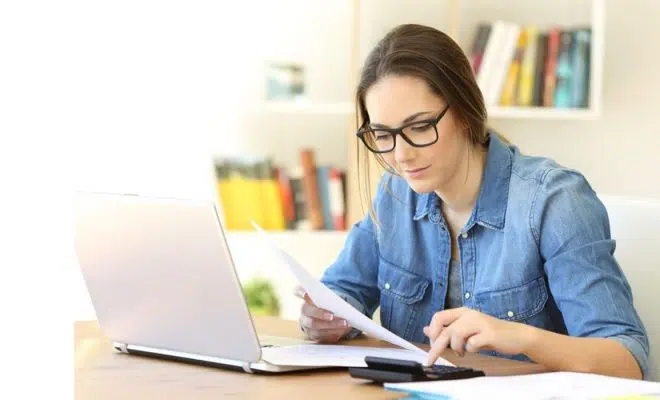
413,171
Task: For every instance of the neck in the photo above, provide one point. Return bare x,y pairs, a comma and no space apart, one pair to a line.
462,190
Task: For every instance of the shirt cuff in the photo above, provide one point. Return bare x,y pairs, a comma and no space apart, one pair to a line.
637,349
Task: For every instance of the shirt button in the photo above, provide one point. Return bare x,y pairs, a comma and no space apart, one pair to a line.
467,295
510,314
464,235
387,286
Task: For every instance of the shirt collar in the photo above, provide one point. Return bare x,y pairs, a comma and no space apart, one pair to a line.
490,209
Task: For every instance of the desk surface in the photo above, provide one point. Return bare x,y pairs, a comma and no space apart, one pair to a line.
103,374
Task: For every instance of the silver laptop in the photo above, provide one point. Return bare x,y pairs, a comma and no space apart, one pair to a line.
162,281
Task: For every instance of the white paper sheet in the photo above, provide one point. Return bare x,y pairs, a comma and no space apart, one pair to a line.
325,298
546,386
334,355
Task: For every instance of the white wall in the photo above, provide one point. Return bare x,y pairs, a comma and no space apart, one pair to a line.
159,89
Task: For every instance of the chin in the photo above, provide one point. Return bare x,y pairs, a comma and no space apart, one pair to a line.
421,187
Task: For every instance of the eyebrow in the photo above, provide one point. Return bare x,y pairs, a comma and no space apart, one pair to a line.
405,121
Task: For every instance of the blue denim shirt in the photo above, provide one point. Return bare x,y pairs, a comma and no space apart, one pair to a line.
536,249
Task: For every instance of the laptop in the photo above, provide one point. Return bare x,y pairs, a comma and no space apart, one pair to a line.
162,281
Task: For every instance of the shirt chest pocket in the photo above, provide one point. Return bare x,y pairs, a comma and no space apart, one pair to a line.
401,298
514,304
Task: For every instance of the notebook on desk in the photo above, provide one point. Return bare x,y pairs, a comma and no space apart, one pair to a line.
544,386
163,284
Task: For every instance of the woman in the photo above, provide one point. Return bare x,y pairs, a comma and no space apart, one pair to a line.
469,243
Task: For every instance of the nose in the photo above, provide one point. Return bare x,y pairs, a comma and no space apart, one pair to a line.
403,152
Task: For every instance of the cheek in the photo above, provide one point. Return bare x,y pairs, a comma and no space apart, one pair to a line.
389,159
447,144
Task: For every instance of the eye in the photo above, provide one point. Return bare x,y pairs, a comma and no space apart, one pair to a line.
381,134
420,127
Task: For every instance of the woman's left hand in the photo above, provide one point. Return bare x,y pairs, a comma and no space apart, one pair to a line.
464,329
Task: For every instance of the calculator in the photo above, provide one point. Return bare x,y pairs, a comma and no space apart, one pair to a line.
381,369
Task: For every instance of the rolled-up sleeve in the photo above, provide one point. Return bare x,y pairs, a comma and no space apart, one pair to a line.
572,229
353,275
638,346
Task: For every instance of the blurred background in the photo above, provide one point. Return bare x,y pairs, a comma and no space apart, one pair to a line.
250,105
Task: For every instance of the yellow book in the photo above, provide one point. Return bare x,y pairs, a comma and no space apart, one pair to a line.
526,82
226,192
271,199
510,84
248,198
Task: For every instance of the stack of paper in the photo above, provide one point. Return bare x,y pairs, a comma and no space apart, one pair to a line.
320,355
325,298
552,385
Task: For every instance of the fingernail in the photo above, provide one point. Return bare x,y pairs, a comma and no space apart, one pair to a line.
329,316
344,323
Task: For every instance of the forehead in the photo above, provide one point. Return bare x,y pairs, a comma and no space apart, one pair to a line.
394,97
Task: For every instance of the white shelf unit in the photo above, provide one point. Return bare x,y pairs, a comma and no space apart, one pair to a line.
314,250
286,108
542,113
465,13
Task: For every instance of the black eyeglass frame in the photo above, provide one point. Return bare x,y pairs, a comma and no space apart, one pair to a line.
399,131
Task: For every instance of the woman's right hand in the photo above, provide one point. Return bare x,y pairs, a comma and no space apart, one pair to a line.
318,324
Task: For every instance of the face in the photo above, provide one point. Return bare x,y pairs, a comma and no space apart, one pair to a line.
395,101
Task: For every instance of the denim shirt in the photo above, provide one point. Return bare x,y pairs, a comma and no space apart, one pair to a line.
537,249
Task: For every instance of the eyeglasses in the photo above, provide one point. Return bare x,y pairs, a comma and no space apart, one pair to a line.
417,134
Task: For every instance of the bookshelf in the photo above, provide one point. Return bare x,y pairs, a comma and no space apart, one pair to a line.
285,108
498,112
561,14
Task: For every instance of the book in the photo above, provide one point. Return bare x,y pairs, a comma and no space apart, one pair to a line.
581,65
550,77
479,45
510,88
564,73
525,89
311,189
539,69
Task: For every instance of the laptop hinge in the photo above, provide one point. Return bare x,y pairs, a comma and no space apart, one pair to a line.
120,347
246,368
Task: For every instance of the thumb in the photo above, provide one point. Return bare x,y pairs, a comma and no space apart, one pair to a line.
302,293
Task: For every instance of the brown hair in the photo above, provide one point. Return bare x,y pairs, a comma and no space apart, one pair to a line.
429,54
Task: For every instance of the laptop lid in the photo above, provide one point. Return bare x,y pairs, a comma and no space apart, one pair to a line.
160,274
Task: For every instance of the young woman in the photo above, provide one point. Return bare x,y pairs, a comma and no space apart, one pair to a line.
469,243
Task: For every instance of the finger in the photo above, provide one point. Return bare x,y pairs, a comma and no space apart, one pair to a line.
319,324
440,320
461,331
327,335
315,312
457,342
439,345
432,335
477,343
301,293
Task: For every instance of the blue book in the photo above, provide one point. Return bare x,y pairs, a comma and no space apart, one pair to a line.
323,179
564,73
581,65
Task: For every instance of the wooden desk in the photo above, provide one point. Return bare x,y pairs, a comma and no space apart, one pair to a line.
103,374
